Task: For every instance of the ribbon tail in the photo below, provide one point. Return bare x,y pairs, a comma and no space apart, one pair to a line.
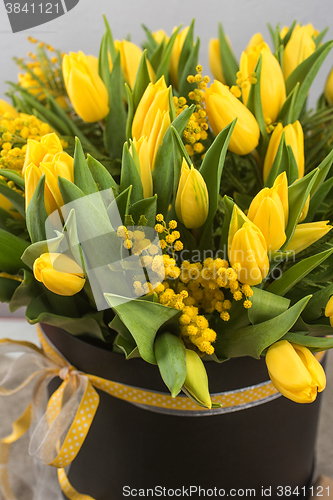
68,489
19,428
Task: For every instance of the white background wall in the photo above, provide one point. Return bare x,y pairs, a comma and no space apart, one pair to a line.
82,27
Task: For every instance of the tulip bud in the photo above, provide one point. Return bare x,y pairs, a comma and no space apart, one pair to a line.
329,310
222,108
215,61
269,212
300,46
130,57
272,86
196,381
175,56
307,234
255,40
305,210
5,107
141,148
40,151
247,249
295,372
85,88
59,273
328,93
159,36
192,197
294,137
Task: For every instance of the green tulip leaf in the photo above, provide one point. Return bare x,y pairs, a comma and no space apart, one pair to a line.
189,68
130,112
316,306
229,207
143,319
230,65
171,359
255,106
287,36
292,168
146,208
25,292
36,213
254,339
14,176
287,111
115,124
185,54
130,349
315,344
163,68
297,272
179,152
318,198
280,162
102,177
266,305
35,250
163,173
120,206
324,169
103,60
41,311
15,198
156,54
211,171
297,195
110,40
142,80
7,288
304,74
11,250
130,175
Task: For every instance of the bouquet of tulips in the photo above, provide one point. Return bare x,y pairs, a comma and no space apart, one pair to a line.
166,217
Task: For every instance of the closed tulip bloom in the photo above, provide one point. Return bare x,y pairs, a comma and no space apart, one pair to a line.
155,97
59,273
192,201
37,152
329,89
215,61
295,372
142,156
269,212
294,137
300,46
329,310
306,234
196,381
175,56
255,40
159,36
272,89
5,107
222,108
85,88
130,57
32,178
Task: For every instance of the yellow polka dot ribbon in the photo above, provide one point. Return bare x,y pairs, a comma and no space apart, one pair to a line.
60,433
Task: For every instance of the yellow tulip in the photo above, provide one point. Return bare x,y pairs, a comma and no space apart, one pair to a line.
255,40
273,89
222,108
59,273
196,381
85,88
38,151
159,36
269,212
152,117
306,234
142,149
294,137
192,197
215,61
329,310
130,57
5,107
247,249
295,372
175,56
300,46
328,92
